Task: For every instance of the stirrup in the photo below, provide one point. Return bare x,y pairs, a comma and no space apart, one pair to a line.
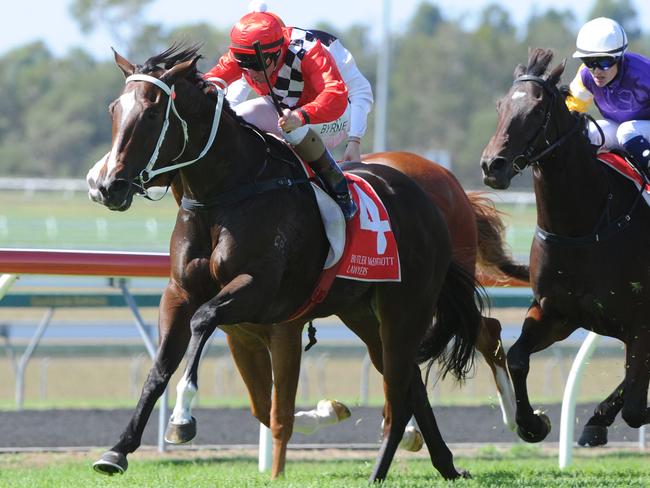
347,205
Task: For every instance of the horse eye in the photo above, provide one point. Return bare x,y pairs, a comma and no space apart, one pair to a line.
152,113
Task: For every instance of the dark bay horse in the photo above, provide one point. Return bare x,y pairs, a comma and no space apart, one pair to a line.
248,246
589,261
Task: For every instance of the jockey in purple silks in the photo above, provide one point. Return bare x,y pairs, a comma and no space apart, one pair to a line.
618,82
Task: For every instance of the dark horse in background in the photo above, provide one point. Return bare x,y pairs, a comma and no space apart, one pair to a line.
590,257
248,250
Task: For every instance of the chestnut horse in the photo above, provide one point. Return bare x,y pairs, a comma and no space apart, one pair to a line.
248,247
589,261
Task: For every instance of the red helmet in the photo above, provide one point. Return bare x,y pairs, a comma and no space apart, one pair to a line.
264,27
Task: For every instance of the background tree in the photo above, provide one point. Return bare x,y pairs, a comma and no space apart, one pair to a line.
622,11
445,79
121,18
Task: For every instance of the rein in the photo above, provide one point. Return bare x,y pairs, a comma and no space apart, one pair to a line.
604,229
149,172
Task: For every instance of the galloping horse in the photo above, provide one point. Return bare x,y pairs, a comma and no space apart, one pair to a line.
589,260
248,247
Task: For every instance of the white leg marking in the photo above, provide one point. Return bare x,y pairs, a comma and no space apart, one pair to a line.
506,397
185,393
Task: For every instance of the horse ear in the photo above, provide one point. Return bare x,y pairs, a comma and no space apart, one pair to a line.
179,70
519,71
127,68
556,74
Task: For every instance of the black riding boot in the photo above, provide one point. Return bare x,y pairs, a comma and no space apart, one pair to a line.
313,151
639,150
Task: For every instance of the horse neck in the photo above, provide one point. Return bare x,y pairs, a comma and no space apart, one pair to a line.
571,187
229,162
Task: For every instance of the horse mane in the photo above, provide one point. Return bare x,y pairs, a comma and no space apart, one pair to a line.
174,54
179,53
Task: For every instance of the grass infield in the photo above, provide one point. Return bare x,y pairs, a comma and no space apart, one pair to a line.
520,466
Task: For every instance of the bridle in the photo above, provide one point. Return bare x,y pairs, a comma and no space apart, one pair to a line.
528,156
605,228
148,173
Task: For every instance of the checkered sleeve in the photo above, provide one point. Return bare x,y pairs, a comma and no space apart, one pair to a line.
319,70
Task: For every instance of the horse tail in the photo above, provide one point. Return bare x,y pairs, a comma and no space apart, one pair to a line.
493,253
457,318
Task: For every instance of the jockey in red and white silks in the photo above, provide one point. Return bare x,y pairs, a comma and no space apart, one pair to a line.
292,66
304,79
354,120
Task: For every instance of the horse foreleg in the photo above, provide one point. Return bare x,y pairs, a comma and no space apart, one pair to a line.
490,346
537,333
595,431
174,336
236,303
637,377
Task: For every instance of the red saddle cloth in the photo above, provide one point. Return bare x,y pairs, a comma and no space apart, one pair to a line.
620,165
370,250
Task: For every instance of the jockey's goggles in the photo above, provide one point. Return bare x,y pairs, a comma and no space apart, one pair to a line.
602,63
249,61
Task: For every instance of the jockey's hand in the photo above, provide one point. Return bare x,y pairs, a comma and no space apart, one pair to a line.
352,150
289,121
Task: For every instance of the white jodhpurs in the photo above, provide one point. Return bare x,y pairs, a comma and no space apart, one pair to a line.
616,135
261,113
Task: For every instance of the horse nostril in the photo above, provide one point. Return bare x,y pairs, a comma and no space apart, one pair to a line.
498,163
484,166
119,186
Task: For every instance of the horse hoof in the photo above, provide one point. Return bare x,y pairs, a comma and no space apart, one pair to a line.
342,411
593,436
180,433
412,439
111,463
540,430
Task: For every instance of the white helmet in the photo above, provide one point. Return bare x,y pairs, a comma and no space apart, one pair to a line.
601,37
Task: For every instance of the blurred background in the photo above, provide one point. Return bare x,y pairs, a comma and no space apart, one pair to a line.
449,62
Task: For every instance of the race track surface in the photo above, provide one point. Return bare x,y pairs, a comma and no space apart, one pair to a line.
101,428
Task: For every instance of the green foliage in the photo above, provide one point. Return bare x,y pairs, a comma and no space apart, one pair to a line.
621,11
217,469
445,80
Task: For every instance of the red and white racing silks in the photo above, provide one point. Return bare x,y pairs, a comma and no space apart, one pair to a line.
306,77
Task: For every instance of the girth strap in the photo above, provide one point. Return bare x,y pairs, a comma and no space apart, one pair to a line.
242,193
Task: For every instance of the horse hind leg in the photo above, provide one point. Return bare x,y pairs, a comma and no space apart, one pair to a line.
594,432
637,377
441,457
490,346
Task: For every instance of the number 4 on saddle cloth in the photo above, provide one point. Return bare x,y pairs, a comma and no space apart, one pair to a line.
365,249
